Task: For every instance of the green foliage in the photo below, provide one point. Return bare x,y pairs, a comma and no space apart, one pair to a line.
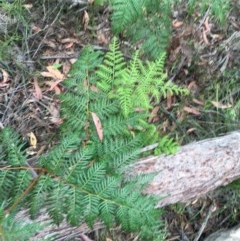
166,145
132,85
149,21
12,230
85,178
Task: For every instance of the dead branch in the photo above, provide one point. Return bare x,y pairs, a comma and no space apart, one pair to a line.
194,170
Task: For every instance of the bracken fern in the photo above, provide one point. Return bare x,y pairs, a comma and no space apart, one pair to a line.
85,178
148,22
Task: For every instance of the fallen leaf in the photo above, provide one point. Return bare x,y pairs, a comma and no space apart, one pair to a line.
32,140
68,45
47,74
55,115
98,125
153,116
191,130
177,24
94,88
66,67
36,29
206,24
199,102
206,31
5,76
192,110
38,91
28,6
101,37
205,39
193,87
53,86
50,43
170,100
221,105
55,72
85,20
69,40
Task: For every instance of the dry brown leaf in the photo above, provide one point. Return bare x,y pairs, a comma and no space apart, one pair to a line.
36,29
50,43
206,24
28,6
68,45
5,76
205,39
170,100
55,72
94,88
98,125
102,39
47,74
69,40
55,115
66,67
191,130
85,20
38,92
221,105
192,110
32,140
153,118
73,60
199,102
177,24
53,86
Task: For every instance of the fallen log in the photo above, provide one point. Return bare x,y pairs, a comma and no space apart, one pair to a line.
195,170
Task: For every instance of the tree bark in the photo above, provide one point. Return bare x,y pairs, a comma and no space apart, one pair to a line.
195,170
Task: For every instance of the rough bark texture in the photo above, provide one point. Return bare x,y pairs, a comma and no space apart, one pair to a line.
193,171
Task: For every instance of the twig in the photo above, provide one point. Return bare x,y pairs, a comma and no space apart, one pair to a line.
205,221
55,19
203,20
149,148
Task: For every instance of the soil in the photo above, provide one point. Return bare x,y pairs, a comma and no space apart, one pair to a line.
200,52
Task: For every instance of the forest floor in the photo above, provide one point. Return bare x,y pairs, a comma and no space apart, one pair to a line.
202,56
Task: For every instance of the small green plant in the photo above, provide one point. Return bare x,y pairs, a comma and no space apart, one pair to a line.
13,17
86,177
148,22
16,230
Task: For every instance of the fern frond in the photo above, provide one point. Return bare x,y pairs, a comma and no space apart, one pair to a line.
125,12
166,145
16,230
124,94
12,148
37,197
84,178
110,71
7,181
56,202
